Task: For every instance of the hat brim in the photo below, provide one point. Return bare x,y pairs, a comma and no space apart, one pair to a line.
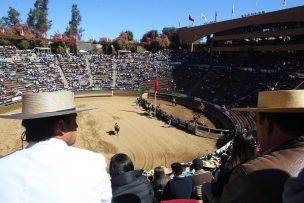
274,110
43,115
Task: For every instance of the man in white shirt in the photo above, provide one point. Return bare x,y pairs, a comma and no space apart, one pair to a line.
49,169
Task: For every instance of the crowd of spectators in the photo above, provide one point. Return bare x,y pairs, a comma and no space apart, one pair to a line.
129,71
232,85
75,71
23,72
182,180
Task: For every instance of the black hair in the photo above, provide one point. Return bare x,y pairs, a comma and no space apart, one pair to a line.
177,168
290,123
243,149
120,163
40,129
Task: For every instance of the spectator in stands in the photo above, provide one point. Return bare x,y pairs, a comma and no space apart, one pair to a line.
216,172
294,189
49,169
243,150
160,180
125,180
280,130
199,177
179,187
197,165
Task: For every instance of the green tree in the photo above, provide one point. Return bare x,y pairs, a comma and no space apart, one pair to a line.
74,23
4,42
130,35
23,44
169,31
60,50
13,18
149,36
37,17
31,19
172,35
140,49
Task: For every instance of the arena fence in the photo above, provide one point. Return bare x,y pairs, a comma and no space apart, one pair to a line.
223,123
189,126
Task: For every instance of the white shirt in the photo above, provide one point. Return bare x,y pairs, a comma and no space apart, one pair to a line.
51,171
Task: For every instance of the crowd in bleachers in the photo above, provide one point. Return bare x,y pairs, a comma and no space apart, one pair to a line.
129,70
26,72
231,85
19,74
75,71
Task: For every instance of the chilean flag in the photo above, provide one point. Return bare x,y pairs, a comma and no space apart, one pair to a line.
155,87
191,19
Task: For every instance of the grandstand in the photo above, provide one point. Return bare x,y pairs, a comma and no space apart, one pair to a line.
274,31
240,58
202,72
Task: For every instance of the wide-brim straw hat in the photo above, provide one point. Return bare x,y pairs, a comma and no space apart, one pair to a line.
208,164
281,101
46,104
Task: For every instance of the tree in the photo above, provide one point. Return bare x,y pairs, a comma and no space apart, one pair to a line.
4,42
160,42
20,30
122,41
13,18
130,35
172,35
60,50
37,17
149,36
105,42
169,31
73,28
23,44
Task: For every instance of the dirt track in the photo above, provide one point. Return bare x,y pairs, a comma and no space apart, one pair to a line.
146,140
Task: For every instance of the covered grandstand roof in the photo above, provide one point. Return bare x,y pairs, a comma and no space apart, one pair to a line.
188,35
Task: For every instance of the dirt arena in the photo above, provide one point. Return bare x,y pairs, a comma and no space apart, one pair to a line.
149,142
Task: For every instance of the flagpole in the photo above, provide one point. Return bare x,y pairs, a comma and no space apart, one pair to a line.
155,104
232,12
256,5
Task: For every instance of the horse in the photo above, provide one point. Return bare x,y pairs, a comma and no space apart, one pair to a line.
116,128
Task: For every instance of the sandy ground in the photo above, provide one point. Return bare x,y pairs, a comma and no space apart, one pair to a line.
146,140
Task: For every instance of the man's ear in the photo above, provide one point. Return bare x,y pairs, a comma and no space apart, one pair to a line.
59,128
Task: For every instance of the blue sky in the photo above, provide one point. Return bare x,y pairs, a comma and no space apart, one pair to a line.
107,18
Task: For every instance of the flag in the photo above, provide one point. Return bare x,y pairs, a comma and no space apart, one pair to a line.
155,86
284,2
232,12
203,17
191,19
215,16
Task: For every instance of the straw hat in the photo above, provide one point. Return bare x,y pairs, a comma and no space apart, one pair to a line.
282,101
46,104
207,164
167,170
